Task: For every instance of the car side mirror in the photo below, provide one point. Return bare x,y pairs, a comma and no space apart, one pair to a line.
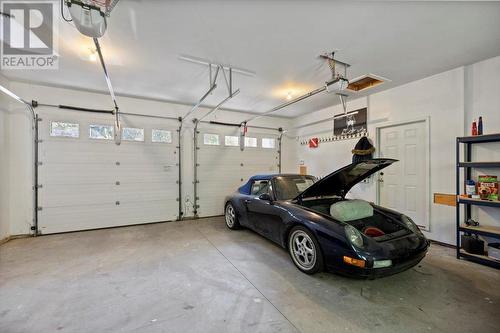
265,197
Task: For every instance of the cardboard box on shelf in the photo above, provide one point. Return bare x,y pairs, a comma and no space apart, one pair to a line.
487,187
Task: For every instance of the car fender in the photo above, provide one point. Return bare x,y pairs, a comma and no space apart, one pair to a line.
237,200
325,230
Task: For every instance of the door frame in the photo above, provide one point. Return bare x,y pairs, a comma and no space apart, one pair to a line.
427,153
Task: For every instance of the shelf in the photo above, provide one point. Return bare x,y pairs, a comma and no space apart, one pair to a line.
485,260
487,231
480,138
479,164
484,230
478,202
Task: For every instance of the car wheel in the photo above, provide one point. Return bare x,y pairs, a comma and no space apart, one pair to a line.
305,251
231,218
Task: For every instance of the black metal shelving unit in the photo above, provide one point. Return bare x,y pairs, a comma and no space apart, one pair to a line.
468,165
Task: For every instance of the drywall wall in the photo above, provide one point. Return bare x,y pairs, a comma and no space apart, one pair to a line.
20,176
449,101
21,158
4,188
440,98
482,98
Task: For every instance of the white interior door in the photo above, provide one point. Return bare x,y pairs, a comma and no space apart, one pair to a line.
90,183
223,167
404,185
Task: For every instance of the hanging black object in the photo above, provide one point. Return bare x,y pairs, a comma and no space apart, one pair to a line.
363,150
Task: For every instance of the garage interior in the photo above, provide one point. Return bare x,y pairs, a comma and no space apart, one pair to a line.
120,147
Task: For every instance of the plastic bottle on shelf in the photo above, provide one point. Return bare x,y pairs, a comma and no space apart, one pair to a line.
470,188
474,128
480,126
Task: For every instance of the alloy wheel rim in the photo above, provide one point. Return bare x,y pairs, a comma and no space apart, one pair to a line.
302,249
230,215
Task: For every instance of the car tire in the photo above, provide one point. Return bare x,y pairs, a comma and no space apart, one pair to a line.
230,217
305,251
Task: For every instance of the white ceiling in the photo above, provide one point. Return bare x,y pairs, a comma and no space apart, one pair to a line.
279,40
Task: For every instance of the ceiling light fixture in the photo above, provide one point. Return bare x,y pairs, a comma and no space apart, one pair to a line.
93,55
289,95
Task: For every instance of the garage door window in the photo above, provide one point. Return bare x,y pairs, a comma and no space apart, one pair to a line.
211,139
133,134
232,141
59,128
250,142
101,132
268,143
162,136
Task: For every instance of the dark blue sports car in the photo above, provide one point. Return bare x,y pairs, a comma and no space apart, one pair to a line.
321,229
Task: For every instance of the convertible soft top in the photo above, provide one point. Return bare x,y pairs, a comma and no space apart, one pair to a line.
246,189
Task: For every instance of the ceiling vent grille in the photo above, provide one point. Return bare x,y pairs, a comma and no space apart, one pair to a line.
365,82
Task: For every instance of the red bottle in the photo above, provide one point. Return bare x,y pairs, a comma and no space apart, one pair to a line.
474,127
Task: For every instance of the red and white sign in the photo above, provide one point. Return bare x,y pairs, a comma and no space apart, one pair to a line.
314,143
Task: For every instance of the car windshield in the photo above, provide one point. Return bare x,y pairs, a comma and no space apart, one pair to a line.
289,187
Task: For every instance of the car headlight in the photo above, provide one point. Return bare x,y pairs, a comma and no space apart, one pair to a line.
410,224
354,236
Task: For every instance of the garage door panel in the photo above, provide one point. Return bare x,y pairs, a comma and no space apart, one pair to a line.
74,181
228,182
55,152
108,214
143,193
99,146
59,195
110,159
89,183
89,194
267,168
222,183
220,157
72,174
222,170
212,206
75,173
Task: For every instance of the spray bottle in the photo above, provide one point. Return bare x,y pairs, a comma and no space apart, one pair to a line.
474,128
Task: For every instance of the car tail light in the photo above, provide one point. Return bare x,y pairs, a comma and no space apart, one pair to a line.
355,262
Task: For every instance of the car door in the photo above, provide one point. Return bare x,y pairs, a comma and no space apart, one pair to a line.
264,214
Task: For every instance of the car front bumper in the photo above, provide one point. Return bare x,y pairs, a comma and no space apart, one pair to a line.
399,265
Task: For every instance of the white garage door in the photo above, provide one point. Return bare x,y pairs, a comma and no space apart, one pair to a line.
89,182
223,167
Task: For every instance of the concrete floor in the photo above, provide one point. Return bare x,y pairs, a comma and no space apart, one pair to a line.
198,276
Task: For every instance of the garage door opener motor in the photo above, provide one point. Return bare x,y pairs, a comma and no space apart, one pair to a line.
90,16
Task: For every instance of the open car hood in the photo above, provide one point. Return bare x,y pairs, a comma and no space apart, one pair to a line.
341,181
